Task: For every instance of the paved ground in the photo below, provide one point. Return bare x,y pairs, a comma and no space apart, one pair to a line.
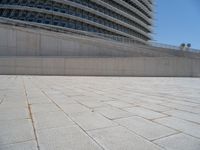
95,113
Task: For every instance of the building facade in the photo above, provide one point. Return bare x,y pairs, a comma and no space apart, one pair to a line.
114,18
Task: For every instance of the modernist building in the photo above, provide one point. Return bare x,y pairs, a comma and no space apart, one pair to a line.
114,18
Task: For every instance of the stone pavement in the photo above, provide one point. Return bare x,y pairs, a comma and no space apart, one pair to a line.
99,113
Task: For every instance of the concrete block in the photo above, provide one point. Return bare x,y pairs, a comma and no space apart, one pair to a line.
142,112
155,107
73,108
7,65
196,68
183,67
27,43
28,65
150,67
184,115
49,46
11,131
51,119
112,113
53,66
48,107
118,138
181,125
179,142
62,138
4,37
92,121
13,113
145,128
119,104
29,145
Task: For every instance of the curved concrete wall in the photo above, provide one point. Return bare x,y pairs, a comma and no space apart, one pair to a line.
19,41
41,52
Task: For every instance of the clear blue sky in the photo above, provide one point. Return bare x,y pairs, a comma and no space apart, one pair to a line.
177,21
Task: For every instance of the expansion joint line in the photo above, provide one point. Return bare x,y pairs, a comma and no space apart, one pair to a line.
72,120
2,99
31,116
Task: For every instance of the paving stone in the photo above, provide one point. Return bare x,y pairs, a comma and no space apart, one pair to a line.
91,120
112,112
184,115
37,108
119,138
119,104
143,112
179,142
13,113
13,131
145,128
39,100
11,104
92,103
71,138
155,107
29,145
62,99
182,107
73,108
45,120
181,102
181,125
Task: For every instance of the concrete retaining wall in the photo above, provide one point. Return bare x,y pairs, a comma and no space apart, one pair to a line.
20,41
129,66
41,52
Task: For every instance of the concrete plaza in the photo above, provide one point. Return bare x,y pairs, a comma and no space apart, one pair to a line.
99,113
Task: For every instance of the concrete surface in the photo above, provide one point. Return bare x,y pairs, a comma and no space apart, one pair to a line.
34,51
20,41
99,113
110,66
33,41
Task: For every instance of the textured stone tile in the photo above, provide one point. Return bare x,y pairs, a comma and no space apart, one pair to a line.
181,125
142,112
145,128
112,112
79,96
181,102
91,121
184,115
73,108
72,138
119,138
13,104
39,100
92,103
62,99
179,142
45,120
119,104
13,113
14,131
155,107
29,145
37,108
182,107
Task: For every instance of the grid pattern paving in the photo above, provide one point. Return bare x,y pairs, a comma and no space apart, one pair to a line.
99,113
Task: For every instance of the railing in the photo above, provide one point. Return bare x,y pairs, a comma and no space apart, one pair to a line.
159,45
